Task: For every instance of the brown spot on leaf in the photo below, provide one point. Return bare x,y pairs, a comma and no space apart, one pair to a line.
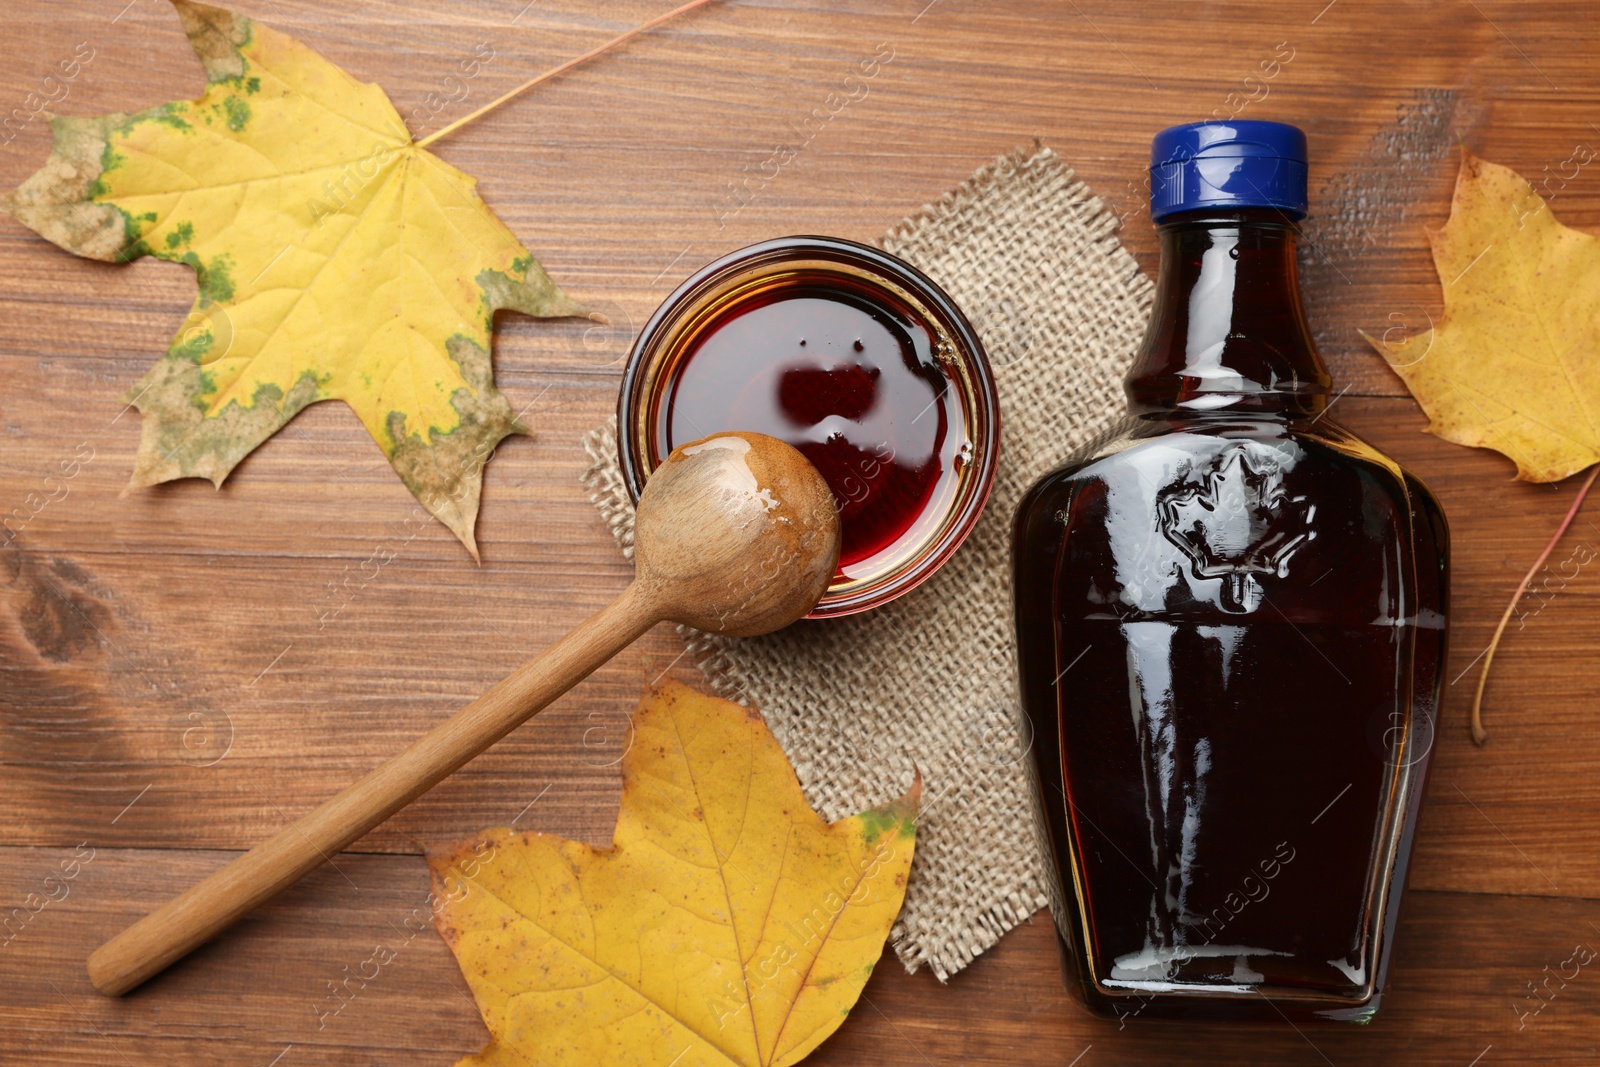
535,295
445,470
215,35
178,440
55,200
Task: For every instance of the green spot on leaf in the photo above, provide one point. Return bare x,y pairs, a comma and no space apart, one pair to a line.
208,386
110,159
216,281
193,348
168,115
874,824
238,112
135,246
215,278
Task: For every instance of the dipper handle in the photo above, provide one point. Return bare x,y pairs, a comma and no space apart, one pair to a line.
185,922
736,533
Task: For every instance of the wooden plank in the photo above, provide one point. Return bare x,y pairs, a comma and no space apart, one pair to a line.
1458,985
102,704
182,669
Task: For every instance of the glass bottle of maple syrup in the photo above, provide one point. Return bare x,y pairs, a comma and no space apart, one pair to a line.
1231,624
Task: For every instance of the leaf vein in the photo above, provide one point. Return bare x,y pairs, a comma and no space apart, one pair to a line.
613,975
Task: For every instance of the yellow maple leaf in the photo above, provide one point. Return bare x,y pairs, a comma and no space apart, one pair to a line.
1514,364
726,924
335,259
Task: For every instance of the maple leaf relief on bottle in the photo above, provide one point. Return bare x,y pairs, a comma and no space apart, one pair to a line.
1237,522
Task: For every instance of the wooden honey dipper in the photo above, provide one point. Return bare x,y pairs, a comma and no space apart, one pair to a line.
735,534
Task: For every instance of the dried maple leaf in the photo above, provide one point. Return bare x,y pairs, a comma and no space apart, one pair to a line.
1514,364
726,924
336,259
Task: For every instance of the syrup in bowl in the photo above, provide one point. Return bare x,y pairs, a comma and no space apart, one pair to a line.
858,361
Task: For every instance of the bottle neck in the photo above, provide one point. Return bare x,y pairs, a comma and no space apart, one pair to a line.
1228,333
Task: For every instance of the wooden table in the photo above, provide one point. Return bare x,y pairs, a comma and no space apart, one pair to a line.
183,669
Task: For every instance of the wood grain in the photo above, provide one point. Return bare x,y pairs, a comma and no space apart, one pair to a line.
182,670
205,909
282,980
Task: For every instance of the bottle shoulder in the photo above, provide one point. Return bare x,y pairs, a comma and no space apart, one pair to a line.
1238,509
1166,448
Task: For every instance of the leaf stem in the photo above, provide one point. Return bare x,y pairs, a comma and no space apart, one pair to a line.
1478,733
562,69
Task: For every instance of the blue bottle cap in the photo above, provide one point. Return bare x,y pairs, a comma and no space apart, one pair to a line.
1243,163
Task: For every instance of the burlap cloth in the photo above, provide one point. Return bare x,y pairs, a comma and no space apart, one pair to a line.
1033,259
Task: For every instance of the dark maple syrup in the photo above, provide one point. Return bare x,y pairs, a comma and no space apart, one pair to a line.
855,356
851,380
1230,623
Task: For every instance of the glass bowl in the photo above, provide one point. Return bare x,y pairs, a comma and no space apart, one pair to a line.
745,278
